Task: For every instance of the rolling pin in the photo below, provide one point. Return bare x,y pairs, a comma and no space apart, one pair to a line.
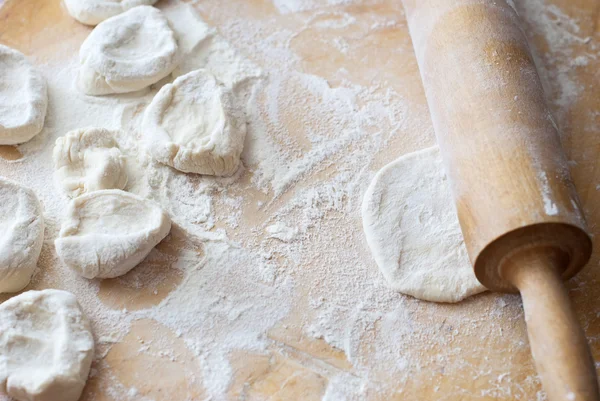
517,206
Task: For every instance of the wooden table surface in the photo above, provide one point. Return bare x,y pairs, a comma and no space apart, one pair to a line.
491,360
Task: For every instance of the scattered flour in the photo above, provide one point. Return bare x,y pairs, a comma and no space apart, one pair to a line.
282,232
314,140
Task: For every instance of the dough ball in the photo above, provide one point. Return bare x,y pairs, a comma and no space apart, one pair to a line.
89,159
413,231
127,53
107,233
193,126
23,98
21,235
46,347
93,12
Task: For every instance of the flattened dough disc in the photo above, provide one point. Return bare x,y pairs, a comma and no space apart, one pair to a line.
413,231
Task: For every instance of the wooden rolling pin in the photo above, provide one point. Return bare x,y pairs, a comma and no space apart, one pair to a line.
517,206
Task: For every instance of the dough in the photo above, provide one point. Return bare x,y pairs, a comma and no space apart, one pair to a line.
93,12
46,347
194,126
89,159
23,98
127,53
21,235
413,232
107,233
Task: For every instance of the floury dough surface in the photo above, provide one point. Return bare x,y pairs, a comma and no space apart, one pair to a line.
195,126
107,233
89,159
127,53
23,98
46,347
413,232
21,235
92,12
266,286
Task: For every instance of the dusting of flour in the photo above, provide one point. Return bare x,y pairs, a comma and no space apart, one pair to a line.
274,260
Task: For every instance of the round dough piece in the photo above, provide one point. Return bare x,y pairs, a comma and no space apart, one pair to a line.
93,12
89,159
194,126
413,231
46,347
21,235
107,233
23,98
127,53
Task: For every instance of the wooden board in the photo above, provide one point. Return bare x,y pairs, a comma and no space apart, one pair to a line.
474,350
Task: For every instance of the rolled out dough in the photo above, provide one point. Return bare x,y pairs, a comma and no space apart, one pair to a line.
413,231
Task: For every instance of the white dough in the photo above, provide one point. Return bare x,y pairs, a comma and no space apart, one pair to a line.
194,126
89,159
21,235
413,231
127,53
46,347
93,12
23,98
107,233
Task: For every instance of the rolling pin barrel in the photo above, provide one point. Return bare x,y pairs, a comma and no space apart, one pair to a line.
517,206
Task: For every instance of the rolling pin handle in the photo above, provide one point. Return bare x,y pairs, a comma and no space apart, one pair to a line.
557,342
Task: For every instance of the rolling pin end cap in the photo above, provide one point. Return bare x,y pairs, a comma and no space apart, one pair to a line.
564,247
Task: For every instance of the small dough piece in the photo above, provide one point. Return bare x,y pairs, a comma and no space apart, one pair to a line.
413,231
21,235
46,347
194,126
107,233
127,53
89,159
23,98
93,12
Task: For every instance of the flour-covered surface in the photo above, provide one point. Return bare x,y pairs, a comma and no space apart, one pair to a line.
265,288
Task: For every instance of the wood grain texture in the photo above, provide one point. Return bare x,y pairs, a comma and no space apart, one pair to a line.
477,350
519,213
558,344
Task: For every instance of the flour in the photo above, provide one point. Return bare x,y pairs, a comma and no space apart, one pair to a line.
316,136
282,232
23,98
294,6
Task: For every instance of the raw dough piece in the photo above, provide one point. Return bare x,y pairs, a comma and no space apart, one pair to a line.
46,347
21,235
107,233
93,12
193,126
23,98
127,53
89,159
413,232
